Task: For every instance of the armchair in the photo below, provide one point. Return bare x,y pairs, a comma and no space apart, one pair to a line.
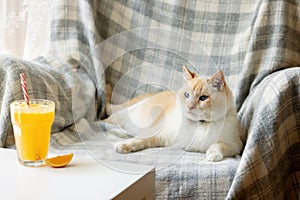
140,46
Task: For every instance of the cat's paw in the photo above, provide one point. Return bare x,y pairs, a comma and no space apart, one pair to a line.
124,147
214,156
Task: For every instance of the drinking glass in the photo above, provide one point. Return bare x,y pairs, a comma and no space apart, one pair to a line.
32,129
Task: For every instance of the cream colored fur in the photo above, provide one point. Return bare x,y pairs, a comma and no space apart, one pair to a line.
200,117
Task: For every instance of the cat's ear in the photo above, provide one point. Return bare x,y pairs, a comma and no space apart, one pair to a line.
187,74
218,80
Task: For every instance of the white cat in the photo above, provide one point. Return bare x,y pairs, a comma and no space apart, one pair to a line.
200,117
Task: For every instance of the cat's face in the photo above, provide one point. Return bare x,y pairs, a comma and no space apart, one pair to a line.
204,99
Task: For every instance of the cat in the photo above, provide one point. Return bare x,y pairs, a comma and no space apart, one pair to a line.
200,116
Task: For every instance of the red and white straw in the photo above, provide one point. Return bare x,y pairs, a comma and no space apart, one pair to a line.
24,88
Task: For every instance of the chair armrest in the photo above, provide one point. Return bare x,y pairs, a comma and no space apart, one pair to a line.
271,117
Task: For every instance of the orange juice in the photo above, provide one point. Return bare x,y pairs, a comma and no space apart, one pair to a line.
32,129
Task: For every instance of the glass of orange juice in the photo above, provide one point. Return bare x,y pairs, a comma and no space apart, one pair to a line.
32,129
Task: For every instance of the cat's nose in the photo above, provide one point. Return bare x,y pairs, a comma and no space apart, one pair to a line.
191,107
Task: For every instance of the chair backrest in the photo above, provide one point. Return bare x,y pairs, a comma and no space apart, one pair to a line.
142,45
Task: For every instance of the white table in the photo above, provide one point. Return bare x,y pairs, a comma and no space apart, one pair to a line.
83,178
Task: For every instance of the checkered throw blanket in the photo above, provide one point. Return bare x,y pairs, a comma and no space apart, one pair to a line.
140,46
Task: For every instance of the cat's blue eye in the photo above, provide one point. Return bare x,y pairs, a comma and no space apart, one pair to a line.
186,95
203,98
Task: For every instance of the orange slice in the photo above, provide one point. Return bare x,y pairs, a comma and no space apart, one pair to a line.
59,161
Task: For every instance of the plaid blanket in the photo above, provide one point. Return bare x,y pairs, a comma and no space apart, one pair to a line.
140,46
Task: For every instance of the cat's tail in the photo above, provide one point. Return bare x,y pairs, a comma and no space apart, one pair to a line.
108,105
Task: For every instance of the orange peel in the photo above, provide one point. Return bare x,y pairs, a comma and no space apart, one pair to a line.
59,161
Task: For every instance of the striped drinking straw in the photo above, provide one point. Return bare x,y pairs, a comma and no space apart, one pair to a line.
24,88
